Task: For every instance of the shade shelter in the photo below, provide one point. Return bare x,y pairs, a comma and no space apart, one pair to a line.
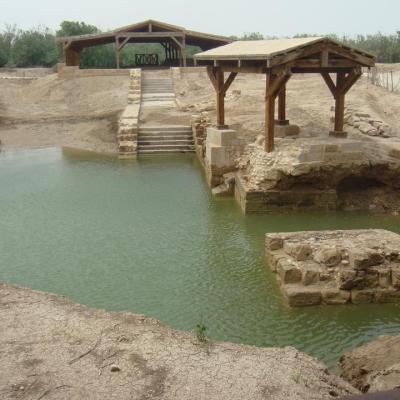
173,38
278,60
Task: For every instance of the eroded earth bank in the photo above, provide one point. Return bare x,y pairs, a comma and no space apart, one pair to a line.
55,349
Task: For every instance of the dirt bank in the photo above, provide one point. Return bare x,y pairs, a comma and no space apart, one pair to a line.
374,366
55,349
309,102
74,112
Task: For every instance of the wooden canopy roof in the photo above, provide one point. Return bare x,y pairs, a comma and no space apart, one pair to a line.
299,52
149,31
278,60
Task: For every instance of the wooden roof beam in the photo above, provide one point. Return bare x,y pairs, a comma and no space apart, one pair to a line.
148,34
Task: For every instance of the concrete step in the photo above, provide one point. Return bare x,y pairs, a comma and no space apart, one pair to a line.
164,128
142,142
160,152
166,137
168,96
166,147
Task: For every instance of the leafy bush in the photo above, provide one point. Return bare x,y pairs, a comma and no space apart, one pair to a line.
35,47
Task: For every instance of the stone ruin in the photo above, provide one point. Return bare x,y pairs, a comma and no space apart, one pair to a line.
318,174
336,267
365,123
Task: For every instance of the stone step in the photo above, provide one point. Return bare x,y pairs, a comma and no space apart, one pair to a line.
187,136
161,152
167,96
166,147
142,142
164,128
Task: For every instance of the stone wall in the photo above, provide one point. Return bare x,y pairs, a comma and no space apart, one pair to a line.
222,150
128,123
200,123
336,267
75,72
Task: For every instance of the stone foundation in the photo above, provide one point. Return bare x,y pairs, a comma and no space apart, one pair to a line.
336,267
260,201
221,151
318,175
128,124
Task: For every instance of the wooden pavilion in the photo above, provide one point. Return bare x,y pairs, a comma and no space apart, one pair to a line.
278,60
173,38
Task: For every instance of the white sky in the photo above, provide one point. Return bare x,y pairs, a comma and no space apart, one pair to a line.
225,17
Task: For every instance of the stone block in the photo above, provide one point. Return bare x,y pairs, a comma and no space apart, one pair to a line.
387,295
347,279
273,242
286,130
338,134
358,259
299,251
221,137
275,259
335,296
332,148
396,276
362,296
300,296
216,155
384,277
315,153
288,273
311,273
371,279
328,256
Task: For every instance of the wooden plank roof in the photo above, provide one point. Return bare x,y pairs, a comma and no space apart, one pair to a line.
270,49
147,32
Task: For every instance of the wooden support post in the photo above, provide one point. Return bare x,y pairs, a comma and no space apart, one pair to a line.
339,105
184,51
220,98
343,85
269,113
117,52
282,107
216,75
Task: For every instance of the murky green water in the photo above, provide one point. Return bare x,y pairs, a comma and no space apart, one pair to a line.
147,237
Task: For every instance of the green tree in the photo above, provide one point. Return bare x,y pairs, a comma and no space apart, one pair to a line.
4,54
94,57
252,36
7,39
34,47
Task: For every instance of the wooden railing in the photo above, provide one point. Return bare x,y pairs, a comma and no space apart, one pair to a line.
146,59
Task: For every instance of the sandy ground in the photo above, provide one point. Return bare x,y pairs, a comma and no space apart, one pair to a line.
309,102
83,112
75,112
51,348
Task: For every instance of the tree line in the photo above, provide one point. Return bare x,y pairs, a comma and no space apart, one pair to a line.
38,47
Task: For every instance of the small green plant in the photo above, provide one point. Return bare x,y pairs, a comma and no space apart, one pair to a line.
201,333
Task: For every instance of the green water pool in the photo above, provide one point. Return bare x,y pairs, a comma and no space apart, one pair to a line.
147,237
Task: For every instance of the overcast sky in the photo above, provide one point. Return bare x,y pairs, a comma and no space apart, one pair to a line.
226,17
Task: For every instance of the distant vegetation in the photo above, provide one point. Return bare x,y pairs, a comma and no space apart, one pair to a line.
37,46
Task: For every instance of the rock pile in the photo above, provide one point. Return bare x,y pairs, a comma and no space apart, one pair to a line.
336,267
365,123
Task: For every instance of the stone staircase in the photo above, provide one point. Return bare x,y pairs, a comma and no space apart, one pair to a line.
163,139
157,91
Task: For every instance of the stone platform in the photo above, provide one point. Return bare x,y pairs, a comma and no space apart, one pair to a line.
336,267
